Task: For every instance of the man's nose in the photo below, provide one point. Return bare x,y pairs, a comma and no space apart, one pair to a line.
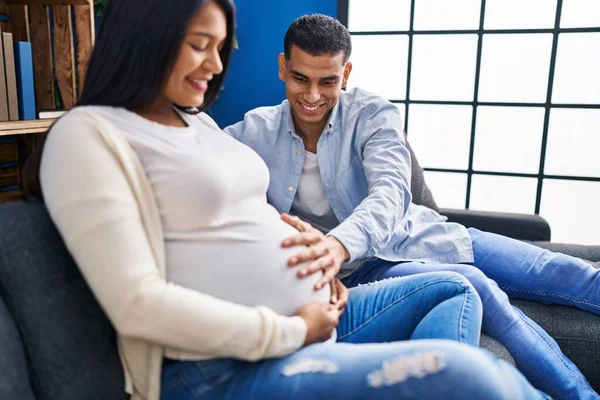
312,96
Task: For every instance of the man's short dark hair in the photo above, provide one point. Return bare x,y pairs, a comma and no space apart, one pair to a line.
318,34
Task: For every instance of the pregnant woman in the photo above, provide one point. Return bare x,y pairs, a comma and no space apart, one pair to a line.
166,216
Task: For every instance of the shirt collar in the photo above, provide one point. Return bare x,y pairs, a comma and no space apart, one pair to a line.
328,127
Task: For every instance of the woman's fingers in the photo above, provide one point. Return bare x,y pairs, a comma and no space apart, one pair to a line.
328,276
334,296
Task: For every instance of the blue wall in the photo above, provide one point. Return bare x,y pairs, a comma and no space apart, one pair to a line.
252,80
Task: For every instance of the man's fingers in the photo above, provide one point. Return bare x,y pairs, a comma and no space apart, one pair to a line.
304,238
296,222
291,220
322,261
313,253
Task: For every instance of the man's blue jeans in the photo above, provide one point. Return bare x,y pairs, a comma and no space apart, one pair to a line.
372,359
505,266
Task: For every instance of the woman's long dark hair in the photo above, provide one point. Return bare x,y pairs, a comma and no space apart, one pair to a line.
135,51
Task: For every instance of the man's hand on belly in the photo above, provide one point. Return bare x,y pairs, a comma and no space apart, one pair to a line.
326,252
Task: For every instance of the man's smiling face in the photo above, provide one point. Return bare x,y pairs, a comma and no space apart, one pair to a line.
313,84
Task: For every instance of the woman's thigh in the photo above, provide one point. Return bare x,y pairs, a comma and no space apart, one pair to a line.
424,369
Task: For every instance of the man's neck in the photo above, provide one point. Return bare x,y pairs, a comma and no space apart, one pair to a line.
310,133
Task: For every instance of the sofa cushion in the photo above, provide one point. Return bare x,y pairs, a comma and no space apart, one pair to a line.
69,341
14,379
495,347
418,188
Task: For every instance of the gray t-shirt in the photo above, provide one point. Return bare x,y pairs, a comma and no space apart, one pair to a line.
312,205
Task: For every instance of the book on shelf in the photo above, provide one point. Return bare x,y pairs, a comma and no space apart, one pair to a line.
11,76
3,91
50,114
25,85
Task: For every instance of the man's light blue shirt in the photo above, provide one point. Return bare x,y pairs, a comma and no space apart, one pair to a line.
366,169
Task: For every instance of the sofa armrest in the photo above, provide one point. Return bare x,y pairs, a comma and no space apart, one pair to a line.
517,226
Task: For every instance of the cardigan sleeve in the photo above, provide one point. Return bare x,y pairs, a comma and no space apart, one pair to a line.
93,206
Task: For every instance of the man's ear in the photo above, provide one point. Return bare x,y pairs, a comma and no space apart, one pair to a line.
347,71
282,66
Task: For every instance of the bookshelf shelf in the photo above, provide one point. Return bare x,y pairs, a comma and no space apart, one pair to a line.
25,127
48,2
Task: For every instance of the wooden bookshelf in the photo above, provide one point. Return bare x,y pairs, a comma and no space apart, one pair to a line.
11,128
62,34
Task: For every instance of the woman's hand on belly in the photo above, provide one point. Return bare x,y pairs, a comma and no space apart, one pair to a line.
339,295
325,253
321,320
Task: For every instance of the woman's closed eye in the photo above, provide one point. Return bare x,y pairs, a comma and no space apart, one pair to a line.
198,47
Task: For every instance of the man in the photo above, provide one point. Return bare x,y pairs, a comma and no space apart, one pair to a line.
339,161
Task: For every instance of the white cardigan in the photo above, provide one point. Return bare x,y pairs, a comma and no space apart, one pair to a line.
99,197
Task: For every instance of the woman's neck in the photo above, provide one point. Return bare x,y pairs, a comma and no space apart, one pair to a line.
163,113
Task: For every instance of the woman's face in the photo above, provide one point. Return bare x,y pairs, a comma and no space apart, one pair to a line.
198,60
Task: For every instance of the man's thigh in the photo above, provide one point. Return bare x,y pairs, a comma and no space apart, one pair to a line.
380,270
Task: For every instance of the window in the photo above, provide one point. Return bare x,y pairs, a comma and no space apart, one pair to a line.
501,100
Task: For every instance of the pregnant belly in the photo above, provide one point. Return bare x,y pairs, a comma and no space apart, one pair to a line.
245,271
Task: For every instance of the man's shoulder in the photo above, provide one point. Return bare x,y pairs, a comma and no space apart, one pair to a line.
259,124
363,103
266,115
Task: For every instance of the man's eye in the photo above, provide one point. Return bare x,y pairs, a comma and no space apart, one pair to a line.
328,83
299,79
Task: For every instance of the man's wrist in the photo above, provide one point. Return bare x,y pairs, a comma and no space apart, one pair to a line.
344,251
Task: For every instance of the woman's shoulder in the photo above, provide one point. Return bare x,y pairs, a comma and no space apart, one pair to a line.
77,117
78,128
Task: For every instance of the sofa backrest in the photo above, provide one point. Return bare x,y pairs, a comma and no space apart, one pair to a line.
69,342
418,188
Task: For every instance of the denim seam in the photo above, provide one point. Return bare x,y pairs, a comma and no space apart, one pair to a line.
462,315
551,294
365,323
579,375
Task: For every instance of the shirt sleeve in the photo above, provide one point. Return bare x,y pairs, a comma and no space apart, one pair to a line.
94,208
236,130
387,166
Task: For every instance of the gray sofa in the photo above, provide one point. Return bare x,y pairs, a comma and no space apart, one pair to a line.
56,343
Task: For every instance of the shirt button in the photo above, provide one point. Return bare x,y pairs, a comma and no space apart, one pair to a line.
290,189
298,153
